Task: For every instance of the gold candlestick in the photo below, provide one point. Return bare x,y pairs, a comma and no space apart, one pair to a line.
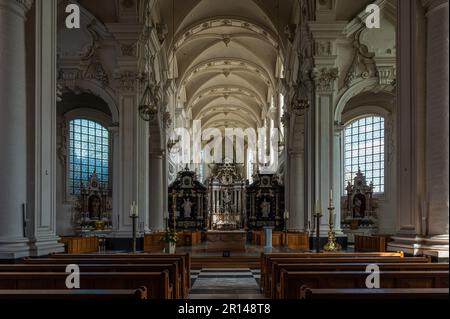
331,245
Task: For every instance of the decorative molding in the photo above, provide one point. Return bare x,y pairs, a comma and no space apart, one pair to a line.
323,48
325,79
128,49
128,80
363,65
193,32
27,4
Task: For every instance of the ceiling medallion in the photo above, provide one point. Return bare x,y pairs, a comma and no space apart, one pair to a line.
226,39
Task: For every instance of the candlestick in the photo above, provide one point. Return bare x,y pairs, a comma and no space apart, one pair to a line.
331,245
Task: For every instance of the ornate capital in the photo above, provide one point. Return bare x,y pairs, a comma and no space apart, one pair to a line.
27,4
127,80
20,7
325,79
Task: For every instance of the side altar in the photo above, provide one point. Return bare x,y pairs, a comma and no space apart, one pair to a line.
187,202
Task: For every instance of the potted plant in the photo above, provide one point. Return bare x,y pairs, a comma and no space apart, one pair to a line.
170,237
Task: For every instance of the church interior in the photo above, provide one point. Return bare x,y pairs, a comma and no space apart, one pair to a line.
239,149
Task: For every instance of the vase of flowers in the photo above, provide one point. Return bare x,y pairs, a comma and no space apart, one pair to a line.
170,237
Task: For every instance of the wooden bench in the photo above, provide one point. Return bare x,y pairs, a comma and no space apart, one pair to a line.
157,283
268,276
290,281
182,265
371,243
174,274
389,293
74,294
76,245
266,259
277,267
185,256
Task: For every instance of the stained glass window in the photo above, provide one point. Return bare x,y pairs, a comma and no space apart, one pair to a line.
364,150
88,152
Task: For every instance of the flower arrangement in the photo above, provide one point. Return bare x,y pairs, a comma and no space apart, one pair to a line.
170,236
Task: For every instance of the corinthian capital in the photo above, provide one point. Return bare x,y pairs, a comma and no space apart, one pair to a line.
18,7
26,4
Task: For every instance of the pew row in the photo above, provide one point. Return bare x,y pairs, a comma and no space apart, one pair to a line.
174,274
290,281
277,267
74,294
183,261
267,273
388,293
157,283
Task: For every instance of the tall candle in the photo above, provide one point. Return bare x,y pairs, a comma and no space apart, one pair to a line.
331,195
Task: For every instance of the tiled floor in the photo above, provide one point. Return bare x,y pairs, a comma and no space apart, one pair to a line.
225,283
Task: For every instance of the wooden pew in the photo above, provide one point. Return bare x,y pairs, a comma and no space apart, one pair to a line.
389,293
74,294
268,276
183,257
290,281
265,256
157,283
174,274
277,267
266,264
76,245
371,243
185,277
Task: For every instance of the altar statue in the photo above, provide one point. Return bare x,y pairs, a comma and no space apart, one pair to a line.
94,207
265,209
187,205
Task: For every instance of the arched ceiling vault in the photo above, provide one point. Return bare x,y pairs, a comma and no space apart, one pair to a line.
225,54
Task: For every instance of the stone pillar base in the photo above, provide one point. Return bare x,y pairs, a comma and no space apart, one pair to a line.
434,246
14,249
45,247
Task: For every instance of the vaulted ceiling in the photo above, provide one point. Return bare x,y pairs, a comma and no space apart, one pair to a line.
226,55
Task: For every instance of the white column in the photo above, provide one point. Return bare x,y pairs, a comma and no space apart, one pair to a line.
156,193
43,234
13,124
297,191
437,130
411,55
142,173
324,159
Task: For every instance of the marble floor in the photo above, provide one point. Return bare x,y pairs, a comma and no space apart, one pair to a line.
225,283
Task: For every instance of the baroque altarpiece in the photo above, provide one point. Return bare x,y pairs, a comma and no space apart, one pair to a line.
265,202
187,202
358,208
226,191
93,208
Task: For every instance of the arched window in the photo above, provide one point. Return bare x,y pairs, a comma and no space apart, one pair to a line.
88,152
364,150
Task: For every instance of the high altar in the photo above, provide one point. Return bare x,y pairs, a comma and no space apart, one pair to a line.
226,191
